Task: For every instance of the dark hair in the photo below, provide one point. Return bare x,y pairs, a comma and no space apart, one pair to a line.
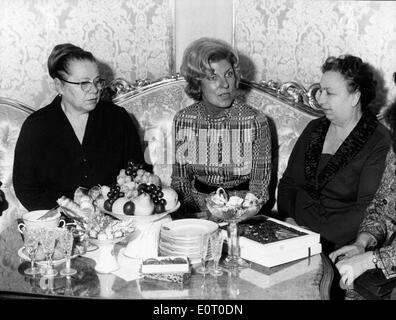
62,55
197,59
358,75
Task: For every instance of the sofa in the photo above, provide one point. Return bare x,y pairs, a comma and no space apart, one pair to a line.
152,106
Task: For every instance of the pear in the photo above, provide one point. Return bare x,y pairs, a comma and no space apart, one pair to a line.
154,179
144,206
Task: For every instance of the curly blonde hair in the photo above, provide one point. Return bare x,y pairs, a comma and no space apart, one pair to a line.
197,59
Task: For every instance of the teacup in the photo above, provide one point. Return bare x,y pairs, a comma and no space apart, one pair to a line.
31,220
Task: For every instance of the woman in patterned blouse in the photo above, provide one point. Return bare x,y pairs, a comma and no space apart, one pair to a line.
219,140
377,232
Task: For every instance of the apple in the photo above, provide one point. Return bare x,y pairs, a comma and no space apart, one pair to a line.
129,208
159,208
171,197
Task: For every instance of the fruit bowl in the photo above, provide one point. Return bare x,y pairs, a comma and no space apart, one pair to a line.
231,208
101,242
149,218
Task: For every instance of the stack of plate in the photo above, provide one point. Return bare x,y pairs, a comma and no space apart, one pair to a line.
182,237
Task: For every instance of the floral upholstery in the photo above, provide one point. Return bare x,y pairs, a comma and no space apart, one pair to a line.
155,107
12,115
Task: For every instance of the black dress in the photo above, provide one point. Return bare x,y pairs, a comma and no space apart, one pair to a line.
50,161
330,198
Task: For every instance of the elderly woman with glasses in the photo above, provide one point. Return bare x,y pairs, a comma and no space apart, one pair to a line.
78,140
220,141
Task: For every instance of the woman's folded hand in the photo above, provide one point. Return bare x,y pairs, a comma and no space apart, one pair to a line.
346,252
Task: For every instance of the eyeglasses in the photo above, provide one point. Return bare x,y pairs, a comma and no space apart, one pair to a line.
86,86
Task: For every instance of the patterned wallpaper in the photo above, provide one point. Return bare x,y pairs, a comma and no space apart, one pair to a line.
285,40
133,39
290,39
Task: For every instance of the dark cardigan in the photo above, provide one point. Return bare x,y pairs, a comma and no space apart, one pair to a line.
332,202
50,161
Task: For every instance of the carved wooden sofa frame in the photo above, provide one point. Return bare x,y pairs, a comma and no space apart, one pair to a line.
153,104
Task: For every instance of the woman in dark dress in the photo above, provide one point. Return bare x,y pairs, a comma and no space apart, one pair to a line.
78,140
375,244
336,165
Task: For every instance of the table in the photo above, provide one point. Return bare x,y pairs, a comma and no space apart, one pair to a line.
308,278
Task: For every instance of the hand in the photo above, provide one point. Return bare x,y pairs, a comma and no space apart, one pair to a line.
346,252
351,268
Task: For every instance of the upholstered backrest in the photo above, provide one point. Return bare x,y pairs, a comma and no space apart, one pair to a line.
12,115
154,108
154,105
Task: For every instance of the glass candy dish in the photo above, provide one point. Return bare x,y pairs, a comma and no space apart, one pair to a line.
233,207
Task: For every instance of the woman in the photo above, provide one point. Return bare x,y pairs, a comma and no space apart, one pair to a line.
336,165
219,140
77,140
377,232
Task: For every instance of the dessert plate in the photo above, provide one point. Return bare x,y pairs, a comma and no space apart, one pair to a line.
188,228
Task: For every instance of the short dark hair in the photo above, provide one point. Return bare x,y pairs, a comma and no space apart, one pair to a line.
358,75
197,59
61,56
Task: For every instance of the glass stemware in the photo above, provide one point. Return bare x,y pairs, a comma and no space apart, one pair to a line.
68,287
233,214
31,240
216,245
203,252
66,239
233,259
48,240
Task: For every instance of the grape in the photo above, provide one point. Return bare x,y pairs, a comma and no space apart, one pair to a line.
160,194
153,196
156,201
110,194
163,201
121,194
128,171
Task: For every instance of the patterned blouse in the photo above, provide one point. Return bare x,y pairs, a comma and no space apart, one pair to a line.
222,151
380,220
